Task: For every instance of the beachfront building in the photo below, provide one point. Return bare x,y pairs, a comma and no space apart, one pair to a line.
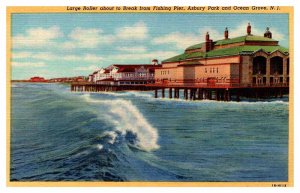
125,74
245,61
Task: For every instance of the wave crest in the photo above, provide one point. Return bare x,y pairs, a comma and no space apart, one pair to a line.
127,118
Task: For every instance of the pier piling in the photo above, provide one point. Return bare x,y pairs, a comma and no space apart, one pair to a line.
155,93
186,94
170,93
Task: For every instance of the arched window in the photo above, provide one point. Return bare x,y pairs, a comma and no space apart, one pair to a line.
276,65
259,65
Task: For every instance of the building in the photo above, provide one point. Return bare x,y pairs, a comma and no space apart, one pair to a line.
244,61
125,74
37,79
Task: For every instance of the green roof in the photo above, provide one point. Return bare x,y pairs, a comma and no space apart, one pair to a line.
243,39
195,46
185,56
244,49
226,52
234,40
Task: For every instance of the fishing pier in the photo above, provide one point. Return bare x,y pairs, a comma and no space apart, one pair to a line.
194,92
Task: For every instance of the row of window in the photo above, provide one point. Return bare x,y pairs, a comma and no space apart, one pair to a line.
164,72
217,79
140,74
263,80
212,70
135,82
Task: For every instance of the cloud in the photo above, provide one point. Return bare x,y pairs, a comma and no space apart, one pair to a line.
34,55
132,49
240,30
213,33
143,56
95,37
48,56
37,37
86,58
84,38
28,64
16,55
87,38
180,40
137,31
89,68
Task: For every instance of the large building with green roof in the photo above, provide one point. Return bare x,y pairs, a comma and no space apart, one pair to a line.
248,60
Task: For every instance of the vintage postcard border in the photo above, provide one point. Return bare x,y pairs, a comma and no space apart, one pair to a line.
289,183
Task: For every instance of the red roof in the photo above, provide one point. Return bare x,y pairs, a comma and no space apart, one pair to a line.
106,79
132,67
37,79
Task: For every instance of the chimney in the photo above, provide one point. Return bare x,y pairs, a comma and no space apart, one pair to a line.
208,43
207,37
154,62
268,34
226,33
249,29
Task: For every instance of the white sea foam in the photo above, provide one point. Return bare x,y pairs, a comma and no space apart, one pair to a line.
99,146
113,135
206,101
128,93
126,117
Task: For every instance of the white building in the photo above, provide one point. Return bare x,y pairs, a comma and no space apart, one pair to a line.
125,74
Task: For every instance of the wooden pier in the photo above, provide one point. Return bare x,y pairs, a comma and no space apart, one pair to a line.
219,93
87,87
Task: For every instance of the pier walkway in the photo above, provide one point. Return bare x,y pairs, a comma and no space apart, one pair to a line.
224,92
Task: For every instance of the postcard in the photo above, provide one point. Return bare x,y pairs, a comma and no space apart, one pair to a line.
150,96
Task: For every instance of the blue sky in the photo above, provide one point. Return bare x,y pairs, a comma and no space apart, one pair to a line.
58,45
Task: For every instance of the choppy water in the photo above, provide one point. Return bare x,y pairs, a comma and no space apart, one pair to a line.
130,136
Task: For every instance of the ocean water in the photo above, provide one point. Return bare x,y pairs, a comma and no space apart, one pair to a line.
58,135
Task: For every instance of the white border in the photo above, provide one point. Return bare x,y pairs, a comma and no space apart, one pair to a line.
5,3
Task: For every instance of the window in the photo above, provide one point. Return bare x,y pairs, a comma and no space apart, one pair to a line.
205,70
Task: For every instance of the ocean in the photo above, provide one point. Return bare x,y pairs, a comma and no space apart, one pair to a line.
58,135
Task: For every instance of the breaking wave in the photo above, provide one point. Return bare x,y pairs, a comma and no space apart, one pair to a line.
128,122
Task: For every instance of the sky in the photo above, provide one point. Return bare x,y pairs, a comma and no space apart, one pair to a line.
71,44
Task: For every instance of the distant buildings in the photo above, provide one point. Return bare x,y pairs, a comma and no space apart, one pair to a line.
247,60
37,79
55,80
69,79
125,74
